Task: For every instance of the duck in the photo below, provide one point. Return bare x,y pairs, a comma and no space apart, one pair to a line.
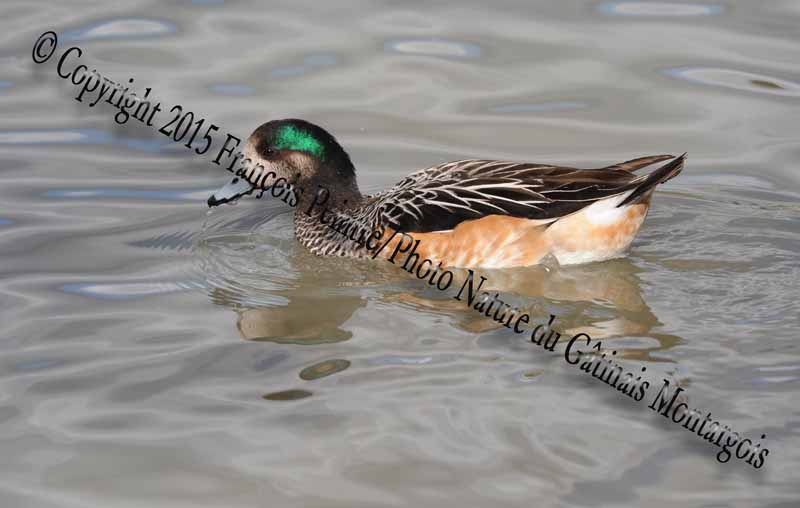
471,213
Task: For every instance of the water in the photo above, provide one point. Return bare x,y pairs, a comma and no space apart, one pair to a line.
154,354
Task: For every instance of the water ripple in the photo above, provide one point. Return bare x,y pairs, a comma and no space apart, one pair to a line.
736,80
122,28
128,290
179,241
161,194
538,107
652,9
83,136
50,136
433,47
310,63
410,360
232,89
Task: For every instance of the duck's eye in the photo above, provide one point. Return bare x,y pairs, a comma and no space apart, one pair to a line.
268,152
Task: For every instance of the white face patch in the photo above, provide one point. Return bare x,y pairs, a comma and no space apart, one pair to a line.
231,191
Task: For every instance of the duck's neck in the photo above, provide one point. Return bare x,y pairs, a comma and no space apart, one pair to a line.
323,219
320,193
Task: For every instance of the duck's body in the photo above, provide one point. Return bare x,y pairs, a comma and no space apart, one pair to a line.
470,213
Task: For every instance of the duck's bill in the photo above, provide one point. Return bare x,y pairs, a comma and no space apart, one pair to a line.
232,191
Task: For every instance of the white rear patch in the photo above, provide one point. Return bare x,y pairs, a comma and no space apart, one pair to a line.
605,211
598,232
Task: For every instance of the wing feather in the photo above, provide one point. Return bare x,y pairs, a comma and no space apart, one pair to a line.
440,197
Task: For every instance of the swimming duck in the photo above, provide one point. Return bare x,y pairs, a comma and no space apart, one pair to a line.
466,214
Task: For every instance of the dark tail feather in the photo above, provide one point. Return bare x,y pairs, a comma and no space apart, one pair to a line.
641,162
660,175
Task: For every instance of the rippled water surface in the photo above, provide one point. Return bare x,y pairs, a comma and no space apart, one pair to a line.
158,354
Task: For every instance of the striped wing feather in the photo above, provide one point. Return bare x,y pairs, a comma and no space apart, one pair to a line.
440,197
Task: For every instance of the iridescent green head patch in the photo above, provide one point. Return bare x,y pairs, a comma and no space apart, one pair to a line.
290,137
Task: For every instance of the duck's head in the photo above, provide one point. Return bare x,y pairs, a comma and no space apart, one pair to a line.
291,155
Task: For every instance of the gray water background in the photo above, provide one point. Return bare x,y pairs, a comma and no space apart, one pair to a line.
155,354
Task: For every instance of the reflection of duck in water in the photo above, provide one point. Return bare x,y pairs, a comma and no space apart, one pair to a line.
306,320
311,318
471,213
578,290
311,306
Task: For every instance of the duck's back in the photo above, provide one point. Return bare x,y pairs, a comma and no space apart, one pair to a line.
482,213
